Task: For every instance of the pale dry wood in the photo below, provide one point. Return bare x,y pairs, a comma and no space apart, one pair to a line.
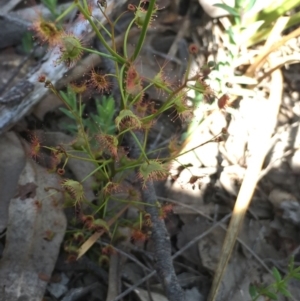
261,59
263,133
35,230
12,113
114,276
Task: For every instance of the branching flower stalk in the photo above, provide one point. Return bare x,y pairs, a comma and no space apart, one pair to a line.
146,22
115,138
133,118
85,12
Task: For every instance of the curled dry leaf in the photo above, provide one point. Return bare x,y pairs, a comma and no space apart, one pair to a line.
35,229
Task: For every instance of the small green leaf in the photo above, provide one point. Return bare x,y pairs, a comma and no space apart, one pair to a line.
284,291
271,295
250,5
70,98
232,37
231,10
72,128
276,274
67,112
81,109
296,276
296,270
291,263
27,42
253,291
249,31
238,4
104,120
51,5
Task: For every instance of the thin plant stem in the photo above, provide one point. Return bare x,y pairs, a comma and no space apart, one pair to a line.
119,58
139,145
65,12
140,43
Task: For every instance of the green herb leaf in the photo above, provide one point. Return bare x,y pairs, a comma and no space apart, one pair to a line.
231,10
276,274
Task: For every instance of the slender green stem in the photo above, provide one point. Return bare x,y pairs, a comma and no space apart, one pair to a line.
128,166
141,93
106,172
95,170
54,91
84,159
186,75
85,4
77,118
126,38
142,37
104,28
65,163
75,157
83,133
65,12
118,58
99,53
166,105
112,27
119,17
121,82
206,142
145,139
158,150
160,86
140,146
131,202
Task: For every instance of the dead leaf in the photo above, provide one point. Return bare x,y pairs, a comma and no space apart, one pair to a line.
189,232
28,258
12,162
210,248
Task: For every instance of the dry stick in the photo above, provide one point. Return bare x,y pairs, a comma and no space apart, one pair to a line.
178,253
287,60
159,234
246,191
266,121
113,277
78,293
260,59
162,246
